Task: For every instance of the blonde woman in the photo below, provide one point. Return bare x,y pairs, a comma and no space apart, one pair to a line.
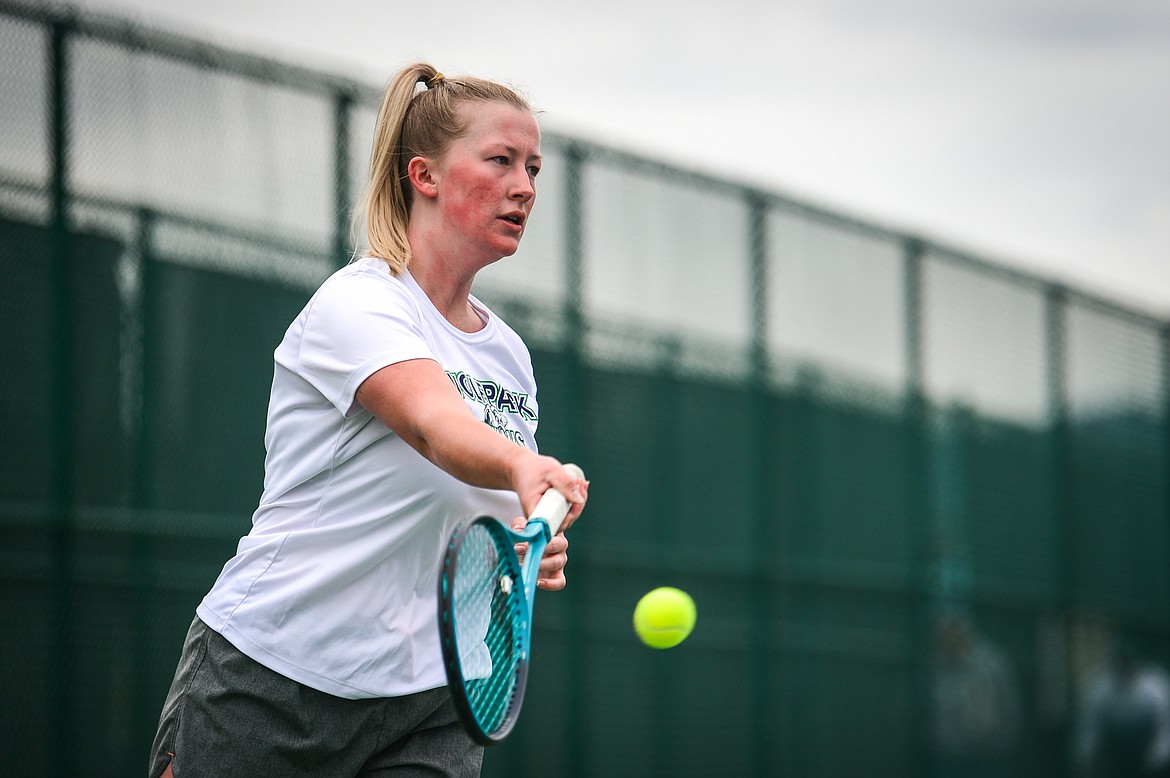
316,652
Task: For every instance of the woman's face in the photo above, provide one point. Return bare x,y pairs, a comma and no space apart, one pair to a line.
486,181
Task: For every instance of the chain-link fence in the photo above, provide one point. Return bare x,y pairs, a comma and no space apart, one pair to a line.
834,435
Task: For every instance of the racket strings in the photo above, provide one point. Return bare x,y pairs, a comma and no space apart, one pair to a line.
493,699
505,649
488,596
494,694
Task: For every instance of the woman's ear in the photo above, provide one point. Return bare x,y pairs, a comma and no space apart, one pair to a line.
421,173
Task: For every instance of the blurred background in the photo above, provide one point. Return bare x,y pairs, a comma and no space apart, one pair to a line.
918,492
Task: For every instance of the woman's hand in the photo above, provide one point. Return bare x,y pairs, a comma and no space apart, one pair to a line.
552,565
533,475
542,474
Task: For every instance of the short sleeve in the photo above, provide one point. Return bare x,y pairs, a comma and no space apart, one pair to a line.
354,326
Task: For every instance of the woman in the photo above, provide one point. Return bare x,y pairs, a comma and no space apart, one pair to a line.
316,651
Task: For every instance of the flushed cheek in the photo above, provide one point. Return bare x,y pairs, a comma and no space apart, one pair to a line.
477,204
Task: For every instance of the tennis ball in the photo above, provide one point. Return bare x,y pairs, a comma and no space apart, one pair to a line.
664,617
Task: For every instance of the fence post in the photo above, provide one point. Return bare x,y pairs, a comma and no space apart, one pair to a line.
1064,528
578,733
139,306
770,726
1164,336
343,103
1056,336
143,306
64,476
921,556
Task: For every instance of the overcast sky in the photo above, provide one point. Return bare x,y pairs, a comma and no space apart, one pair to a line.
1033,132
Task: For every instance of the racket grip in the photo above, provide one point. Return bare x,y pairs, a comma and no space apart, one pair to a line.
553,507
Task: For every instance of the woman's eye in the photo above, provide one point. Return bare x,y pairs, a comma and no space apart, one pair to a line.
533,170
501,160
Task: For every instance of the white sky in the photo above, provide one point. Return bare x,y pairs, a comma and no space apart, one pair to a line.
1033,132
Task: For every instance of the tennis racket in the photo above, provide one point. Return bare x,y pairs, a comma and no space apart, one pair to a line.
485,614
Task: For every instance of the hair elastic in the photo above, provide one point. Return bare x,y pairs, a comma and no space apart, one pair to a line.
435,80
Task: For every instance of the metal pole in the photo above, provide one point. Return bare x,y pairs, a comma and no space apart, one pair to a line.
769,725
64,487
140,319
1164,335
576,416
1060,498
922,558
341,191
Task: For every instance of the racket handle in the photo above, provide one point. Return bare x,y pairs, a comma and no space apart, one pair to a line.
553,507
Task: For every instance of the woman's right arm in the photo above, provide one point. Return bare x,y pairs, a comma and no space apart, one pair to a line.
418,402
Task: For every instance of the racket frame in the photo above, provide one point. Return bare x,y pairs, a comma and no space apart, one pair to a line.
550,512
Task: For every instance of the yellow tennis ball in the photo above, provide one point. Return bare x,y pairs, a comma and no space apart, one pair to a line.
664,617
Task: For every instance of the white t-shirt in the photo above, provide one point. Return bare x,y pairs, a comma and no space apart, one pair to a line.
335,585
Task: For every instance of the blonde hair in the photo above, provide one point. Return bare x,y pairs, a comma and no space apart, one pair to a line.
414,123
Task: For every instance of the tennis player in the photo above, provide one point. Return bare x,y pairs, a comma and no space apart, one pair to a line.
400,406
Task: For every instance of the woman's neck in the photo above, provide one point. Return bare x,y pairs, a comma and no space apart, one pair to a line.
449,292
